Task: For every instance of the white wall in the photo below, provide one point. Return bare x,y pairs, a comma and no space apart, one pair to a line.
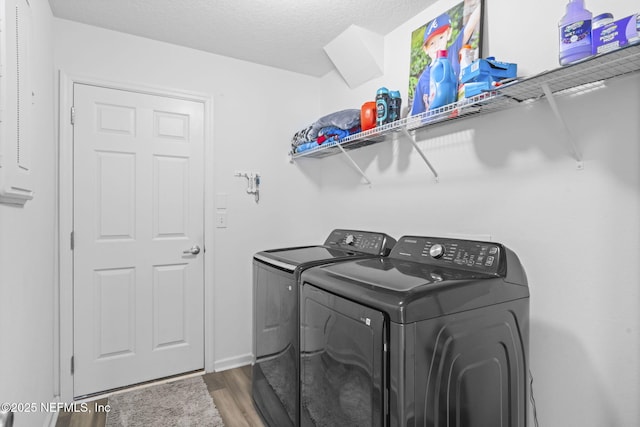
27,252
255,109
510,175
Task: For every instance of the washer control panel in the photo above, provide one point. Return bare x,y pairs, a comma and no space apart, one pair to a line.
361,241
455,253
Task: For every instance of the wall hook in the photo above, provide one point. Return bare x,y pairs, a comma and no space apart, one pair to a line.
253,183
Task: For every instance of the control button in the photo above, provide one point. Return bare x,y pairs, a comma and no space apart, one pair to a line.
349,239
436,251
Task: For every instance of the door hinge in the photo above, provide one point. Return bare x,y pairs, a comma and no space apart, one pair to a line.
72,365
73,115
72,240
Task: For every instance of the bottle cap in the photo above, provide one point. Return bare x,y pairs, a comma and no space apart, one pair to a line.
603,16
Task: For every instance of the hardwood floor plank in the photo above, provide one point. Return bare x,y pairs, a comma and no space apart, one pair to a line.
91,418
229,410
237,386
213,381
246,370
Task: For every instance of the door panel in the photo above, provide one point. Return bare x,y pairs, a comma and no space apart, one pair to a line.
171,197
115,314
138,205
116,196
169,305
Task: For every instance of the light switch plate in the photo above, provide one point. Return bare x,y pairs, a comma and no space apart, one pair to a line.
221,220
221,201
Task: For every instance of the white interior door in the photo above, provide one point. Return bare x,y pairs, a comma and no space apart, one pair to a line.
138,207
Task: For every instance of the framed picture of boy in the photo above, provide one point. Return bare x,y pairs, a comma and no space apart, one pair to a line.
459,26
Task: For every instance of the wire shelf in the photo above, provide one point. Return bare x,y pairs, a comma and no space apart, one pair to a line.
575,78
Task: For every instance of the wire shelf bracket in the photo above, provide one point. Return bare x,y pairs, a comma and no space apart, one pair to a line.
354,164
412,139
569,136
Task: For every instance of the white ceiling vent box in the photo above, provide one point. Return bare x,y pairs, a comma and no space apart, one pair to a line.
358,54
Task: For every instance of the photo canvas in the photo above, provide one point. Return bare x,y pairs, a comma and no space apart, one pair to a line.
451,30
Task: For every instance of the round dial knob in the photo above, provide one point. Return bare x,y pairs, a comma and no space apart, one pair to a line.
349,239
436,251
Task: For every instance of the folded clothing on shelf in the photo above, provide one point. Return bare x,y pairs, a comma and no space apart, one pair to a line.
332,127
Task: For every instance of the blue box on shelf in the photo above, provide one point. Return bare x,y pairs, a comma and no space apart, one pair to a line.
488,70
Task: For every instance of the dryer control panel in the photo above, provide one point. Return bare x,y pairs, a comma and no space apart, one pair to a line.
453,253
361,241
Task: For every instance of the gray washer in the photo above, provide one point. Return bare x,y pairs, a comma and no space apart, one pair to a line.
275,373
436,334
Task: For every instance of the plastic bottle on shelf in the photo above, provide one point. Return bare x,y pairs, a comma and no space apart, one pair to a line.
382,106
465,58
368,115
443,84
395,103
575,33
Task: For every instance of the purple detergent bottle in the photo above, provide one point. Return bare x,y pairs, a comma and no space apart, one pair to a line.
443,84
575,33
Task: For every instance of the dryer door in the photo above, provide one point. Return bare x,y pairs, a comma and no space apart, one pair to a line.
342,361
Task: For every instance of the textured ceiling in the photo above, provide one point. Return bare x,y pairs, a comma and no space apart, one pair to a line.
286,34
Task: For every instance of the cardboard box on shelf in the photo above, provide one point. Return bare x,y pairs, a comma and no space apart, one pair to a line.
616,34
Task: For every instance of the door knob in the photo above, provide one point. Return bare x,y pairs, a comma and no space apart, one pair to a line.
194,250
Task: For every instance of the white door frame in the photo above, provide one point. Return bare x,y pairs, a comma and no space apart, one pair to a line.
63,307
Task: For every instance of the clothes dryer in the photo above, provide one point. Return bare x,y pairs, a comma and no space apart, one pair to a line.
275,372
436,334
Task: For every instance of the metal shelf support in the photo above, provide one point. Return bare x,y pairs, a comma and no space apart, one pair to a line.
354,164
556,111
412,139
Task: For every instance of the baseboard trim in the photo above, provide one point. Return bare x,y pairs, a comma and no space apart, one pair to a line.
233,362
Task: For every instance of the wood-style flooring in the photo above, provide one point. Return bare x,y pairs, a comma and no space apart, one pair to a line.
231,392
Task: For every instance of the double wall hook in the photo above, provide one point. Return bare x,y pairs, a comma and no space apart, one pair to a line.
253,183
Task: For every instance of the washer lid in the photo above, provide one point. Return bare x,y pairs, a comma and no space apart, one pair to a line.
340,243
410,290
397,275
291,258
